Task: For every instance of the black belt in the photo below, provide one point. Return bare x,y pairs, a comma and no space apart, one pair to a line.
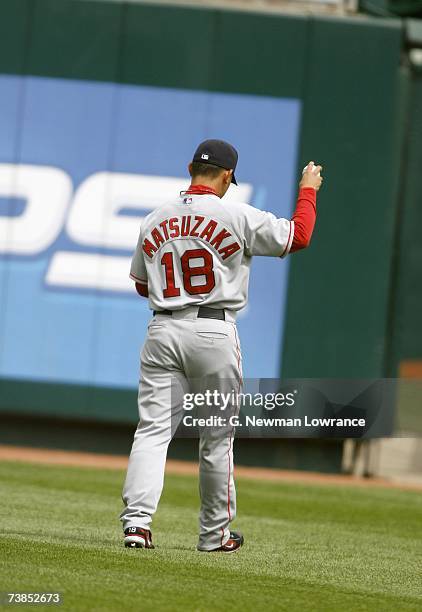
204,312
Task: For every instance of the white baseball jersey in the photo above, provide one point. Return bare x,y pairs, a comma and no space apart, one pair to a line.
197,250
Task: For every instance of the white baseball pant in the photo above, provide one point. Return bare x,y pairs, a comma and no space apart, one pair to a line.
189,354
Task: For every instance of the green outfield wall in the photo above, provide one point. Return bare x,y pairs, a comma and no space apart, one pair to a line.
346,74
406,333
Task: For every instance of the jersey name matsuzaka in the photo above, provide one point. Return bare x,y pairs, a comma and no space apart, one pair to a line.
198,250
191,226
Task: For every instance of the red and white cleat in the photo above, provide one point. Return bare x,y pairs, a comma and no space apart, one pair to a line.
232,545
137,537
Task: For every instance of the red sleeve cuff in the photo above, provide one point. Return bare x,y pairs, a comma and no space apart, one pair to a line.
137,278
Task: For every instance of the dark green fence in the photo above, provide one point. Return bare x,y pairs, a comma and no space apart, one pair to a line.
345,71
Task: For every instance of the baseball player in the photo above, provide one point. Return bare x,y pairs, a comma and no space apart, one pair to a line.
192,261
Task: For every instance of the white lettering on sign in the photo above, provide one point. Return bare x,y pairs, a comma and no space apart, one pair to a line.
47,193
92,219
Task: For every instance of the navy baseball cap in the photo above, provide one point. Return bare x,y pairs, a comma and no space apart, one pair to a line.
218,153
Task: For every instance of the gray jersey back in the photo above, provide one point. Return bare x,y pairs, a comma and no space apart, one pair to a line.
197,250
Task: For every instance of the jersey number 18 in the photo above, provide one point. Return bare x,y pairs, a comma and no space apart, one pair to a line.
189,272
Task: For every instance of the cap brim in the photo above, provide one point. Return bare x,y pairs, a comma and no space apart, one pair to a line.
234,179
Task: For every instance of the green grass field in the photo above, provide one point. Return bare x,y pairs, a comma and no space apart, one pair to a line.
314,547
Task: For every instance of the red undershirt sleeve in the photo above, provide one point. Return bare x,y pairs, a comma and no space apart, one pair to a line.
304,218
142,289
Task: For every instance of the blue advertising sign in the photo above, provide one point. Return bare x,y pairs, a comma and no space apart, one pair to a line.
80,164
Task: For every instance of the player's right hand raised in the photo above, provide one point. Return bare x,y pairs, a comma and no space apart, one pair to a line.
311,176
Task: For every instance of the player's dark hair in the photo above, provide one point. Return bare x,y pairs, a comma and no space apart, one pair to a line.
199,169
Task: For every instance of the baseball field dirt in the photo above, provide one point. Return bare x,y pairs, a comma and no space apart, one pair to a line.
323,547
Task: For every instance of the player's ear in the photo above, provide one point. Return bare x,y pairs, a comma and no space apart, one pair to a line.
190,169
